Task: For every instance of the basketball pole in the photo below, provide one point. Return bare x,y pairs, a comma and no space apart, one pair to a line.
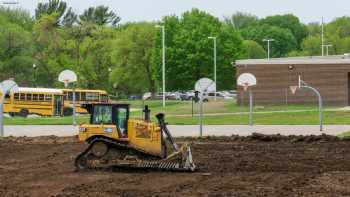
250,107
302,84
74,111
201,115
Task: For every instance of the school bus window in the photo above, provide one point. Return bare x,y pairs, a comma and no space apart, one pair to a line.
22,97
48,97
16,96
83,96
29,97
104,98
41,97
7,98
91,96
77,96
70,96
35,97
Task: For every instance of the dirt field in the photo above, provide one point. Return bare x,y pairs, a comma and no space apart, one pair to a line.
237,166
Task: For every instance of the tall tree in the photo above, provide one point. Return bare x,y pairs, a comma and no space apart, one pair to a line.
16,49
189,53
253,50
241,20
59,8
69,18
17,16
284,42
100,15
288,21
16,45
132,57
48,44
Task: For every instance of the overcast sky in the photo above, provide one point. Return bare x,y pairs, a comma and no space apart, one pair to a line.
137,10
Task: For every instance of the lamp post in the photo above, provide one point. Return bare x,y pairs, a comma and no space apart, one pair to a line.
322,37
214,39
34,74
268,46
163,60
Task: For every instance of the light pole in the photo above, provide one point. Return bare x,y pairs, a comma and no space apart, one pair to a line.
322,38
268,46
327,47
34,70
214,39
163,60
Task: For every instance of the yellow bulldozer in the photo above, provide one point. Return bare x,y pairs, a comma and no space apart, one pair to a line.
116,140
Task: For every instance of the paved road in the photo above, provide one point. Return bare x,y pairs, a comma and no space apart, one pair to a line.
189,130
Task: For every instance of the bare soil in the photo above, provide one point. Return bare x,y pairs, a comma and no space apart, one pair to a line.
256,165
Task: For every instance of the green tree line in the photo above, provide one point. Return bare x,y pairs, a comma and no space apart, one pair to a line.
126,58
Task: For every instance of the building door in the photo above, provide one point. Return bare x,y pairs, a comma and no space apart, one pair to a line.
58,105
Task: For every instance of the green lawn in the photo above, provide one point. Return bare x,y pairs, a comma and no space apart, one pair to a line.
176,108
227,106
45,120
344,135
290,118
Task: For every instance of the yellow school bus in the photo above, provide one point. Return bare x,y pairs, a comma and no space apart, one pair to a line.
82,97
41,101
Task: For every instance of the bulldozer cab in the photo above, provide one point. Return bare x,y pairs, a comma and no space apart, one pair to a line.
110,114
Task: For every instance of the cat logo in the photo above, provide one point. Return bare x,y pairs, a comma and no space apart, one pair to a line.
142,131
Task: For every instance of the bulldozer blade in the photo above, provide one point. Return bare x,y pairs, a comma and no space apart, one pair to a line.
189,161
183,157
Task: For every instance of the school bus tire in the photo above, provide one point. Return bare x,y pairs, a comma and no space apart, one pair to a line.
23,113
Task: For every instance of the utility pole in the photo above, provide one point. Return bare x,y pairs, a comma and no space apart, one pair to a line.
163,61
322,38
268,46
214,39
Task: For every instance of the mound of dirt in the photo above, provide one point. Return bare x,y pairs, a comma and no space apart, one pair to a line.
39,140
258,137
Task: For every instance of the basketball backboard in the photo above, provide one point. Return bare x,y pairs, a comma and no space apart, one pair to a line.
205,85
246,80
67,76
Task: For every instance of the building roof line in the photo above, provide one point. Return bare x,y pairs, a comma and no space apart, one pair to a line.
334,59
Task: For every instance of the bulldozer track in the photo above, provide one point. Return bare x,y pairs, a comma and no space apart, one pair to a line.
128,157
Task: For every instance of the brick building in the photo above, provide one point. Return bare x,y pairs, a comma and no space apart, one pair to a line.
330,75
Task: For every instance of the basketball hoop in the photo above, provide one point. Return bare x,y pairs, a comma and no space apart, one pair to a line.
67,77
246,80
245,86
293,89
66,82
